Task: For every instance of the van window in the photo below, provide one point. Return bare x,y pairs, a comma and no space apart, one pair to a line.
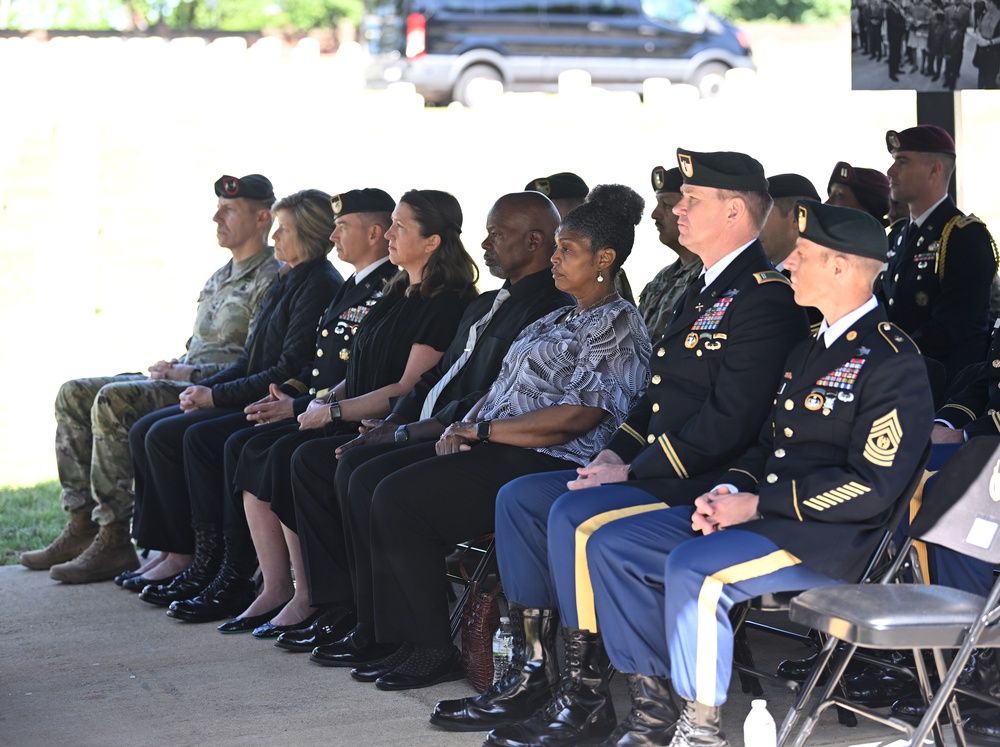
683,13
511,6
591,7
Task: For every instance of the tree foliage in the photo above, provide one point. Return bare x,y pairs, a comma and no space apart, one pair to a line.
796,11
225,15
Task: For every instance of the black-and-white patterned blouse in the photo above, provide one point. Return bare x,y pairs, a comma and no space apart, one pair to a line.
598,359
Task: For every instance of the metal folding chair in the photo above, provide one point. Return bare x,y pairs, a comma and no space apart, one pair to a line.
960,511
880,561
486,565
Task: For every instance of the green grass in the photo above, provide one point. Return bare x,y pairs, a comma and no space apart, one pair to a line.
32,517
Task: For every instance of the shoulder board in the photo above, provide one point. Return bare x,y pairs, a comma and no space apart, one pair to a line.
898,340
966,220
770,276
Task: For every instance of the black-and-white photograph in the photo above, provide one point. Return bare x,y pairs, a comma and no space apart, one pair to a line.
924,45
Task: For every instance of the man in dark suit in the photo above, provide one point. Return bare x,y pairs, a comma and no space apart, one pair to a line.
941,262
804,507
712,377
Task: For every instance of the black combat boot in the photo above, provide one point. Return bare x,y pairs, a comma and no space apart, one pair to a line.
231,591
190,583
581,713
527,686
653,718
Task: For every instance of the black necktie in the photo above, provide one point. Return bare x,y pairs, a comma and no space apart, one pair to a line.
693,292
818,346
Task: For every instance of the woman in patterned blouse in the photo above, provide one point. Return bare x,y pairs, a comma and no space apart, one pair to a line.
565,385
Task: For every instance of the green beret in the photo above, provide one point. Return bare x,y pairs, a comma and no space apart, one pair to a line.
666,180
923,138
557,186
842,229
722,170
367,200
251,186
791,185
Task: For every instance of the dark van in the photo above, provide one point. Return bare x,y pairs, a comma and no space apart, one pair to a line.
441,46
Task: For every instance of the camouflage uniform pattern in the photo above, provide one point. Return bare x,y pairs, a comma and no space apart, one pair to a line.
93,415
661,293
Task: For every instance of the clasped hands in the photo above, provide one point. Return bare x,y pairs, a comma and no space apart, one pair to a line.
719,509
457,437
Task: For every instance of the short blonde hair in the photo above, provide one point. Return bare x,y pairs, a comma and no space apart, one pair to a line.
312,213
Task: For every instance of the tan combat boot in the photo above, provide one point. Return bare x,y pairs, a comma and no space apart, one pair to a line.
109,554
75,538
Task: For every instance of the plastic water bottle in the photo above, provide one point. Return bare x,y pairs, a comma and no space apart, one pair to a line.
758,729
502,643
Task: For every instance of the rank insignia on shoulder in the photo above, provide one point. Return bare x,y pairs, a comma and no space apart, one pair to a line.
967,221
770,276
883,440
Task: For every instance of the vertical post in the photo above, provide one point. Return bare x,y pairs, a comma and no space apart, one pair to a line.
939,108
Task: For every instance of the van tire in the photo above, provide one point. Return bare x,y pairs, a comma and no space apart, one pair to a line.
710,78
460,92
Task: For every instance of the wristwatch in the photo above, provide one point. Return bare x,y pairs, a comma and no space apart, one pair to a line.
483,430
334,410
402,435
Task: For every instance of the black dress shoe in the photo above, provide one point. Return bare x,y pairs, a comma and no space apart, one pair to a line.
371,672
121,577
246,624
424,668
984,728
878,687
138,583
329,628
798,670
270,630
357,649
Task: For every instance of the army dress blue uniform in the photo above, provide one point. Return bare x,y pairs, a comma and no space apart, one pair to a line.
848,428
712,378
937,285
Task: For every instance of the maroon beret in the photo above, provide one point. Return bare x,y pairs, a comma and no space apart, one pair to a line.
923,138
870,180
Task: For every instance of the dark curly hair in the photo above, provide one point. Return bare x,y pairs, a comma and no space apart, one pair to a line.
450,268
608,219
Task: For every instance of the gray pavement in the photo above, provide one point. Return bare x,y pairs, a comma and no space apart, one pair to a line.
93,665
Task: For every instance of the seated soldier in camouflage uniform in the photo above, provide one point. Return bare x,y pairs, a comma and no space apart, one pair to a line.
93,415
656,302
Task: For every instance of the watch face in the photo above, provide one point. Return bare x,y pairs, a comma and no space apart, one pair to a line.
401,434
483,430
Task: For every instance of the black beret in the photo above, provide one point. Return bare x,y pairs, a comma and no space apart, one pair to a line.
666,180
722,170
923,138
791,185
557,186
367,200
251,186
842,229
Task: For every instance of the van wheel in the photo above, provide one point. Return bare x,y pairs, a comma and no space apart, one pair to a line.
710,78
473,73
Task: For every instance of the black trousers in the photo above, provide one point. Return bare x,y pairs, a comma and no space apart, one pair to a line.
360,471
419,511
261,462
162,518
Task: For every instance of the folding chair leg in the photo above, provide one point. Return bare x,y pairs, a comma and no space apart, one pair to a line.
822,661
